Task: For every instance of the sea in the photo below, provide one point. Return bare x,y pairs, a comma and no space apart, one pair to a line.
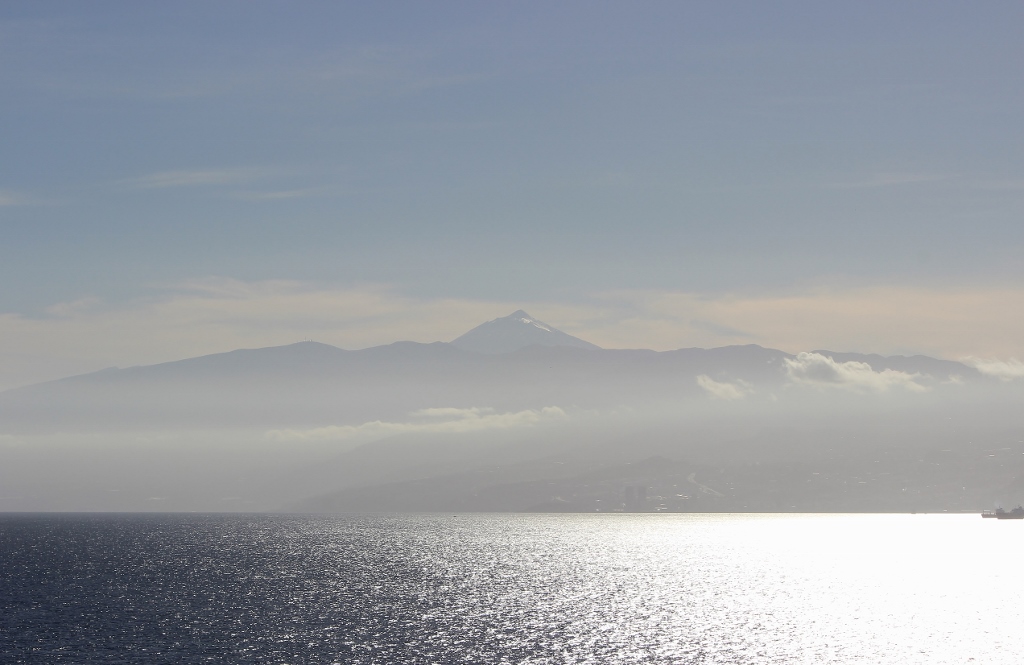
510,588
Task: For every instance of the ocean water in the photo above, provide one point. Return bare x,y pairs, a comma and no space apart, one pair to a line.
510,589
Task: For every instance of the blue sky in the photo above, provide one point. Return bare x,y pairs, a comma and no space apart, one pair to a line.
180,178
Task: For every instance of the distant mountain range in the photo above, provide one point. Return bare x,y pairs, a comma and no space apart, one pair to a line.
516,415
508,364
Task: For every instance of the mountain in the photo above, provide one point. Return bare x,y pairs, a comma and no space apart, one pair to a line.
309,384
515,415
510,364
516,331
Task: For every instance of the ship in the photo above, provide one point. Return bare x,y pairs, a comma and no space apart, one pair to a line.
1000,514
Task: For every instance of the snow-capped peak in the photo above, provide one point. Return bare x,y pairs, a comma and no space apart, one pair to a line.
523,317
516,331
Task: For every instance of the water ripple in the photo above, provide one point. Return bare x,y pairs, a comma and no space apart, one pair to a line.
509,589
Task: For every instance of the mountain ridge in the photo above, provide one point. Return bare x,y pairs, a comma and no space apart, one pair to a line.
412,426
517,336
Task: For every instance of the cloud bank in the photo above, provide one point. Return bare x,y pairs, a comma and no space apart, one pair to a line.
724,389
1007,370
815,369
446,420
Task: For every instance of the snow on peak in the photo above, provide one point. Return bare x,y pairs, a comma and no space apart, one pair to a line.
523,317
515,331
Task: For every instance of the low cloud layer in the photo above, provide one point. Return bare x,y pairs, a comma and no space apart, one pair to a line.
1006,370
724,389
448,420
815,369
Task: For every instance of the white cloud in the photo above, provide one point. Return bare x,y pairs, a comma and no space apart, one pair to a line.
724,389
1006,370
448,420
818,370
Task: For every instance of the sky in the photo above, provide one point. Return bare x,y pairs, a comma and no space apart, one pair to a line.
194,177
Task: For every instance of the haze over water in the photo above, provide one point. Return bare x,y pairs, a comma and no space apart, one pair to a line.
510,588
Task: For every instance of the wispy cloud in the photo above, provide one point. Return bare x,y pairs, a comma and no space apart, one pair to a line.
73,308
280,195
718,329
818,370
194,178
724,389
1006,370
446,420
1010,185
890,179
338,76
944,322
11,198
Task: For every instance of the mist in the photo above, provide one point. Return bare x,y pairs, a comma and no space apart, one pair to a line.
557,426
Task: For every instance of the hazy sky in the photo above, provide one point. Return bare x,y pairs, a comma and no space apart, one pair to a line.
184,178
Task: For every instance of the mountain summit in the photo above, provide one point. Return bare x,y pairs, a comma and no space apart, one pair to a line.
516,331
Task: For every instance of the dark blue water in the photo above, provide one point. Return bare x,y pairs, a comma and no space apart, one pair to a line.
231,589
503,589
